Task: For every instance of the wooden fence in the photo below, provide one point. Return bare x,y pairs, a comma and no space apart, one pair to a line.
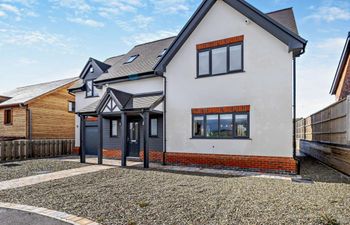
25,149
330,125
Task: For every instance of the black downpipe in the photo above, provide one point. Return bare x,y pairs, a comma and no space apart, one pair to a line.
294,116
164,122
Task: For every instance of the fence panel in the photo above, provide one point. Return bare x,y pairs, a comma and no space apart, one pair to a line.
25,149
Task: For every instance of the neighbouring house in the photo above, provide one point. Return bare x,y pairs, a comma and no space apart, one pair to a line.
341,83
219,94
41,111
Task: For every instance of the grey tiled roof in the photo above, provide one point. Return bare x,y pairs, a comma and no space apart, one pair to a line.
90,108
144,102
24,94
147,59
77,84
113,60
286,18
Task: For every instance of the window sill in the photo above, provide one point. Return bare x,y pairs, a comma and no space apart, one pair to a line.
91,96
204,138
220,74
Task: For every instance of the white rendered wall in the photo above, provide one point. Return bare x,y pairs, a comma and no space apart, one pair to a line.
266,85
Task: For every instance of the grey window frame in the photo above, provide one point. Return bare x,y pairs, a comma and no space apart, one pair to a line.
111,128
228,71
234,136
6,122
150,127
134,58
93,91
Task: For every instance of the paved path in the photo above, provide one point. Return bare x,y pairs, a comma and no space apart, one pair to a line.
15,217
25,181
14,214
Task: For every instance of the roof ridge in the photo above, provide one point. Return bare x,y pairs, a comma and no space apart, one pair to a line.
279,10
150,42
115,56
49,82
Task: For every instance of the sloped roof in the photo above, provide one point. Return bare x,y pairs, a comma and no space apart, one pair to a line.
113,60
286,18
147,58
342,63
22,95
90,108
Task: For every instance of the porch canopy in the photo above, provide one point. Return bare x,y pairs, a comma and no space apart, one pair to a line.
119,103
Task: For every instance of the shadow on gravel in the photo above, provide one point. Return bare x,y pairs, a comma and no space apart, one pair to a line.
311,168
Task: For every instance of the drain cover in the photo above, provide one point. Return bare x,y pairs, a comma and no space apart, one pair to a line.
11,164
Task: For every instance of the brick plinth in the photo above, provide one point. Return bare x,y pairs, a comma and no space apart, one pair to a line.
155,156
75,150
256,163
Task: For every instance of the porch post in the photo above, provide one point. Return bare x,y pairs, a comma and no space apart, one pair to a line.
82,139
123,138
100,149
146,139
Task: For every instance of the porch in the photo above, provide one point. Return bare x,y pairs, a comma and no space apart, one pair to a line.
125,126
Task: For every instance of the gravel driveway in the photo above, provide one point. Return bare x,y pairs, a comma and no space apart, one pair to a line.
13,170
132,196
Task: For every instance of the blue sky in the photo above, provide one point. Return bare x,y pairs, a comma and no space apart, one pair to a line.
47,40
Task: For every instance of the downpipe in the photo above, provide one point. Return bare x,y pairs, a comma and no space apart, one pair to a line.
294,117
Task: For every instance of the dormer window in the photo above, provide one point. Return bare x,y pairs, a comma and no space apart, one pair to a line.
162,53
131,59
91,69
90,89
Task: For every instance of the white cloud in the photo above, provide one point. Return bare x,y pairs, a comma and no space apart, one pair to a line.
27,3
330,14
111,8
79,6
142,21
147,37
27,61
10,8
2,14
171,6
86,22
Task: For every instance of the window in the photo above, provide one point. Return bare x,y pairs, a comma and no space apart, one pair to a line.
241,125
114,128
203,63
91,69
90,89
162,53
8,117
221,126
198,126
220,60
71,106
131,59
154,127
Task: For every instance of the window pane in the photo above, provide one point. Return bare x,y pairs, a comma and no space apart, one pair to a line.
203,63
226,126
89,88
236,57
114,128
154,127
241,125
198,126
212,125
219,60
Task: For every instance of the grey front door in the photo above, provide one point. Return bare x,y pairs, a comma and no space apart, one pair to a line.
133,138
91,139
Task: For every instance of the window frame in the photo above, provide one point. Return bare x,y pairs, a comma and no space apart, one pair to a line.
6,123
228,71
150,127
73,106
233,137
93,94
130,57
111,128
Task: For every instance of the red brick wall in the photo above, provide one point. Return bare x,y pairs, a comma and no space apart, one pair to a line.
155,156
259,163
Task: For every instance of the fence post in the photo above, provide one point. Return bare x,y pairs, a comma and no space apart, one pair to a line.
2,151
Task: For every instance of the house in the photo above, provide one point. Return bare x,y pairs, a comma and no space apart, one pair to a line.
219,94
41,111
341,83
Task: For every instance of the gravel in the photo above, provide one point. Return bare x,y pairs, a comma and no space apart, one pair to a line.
133,196
18,169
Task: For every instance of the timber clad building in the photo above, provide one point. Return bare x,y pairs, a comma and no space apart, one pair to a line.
218,94
41,111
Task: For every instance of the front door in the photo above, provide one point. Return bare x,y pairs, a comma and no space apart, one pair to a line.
133,138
